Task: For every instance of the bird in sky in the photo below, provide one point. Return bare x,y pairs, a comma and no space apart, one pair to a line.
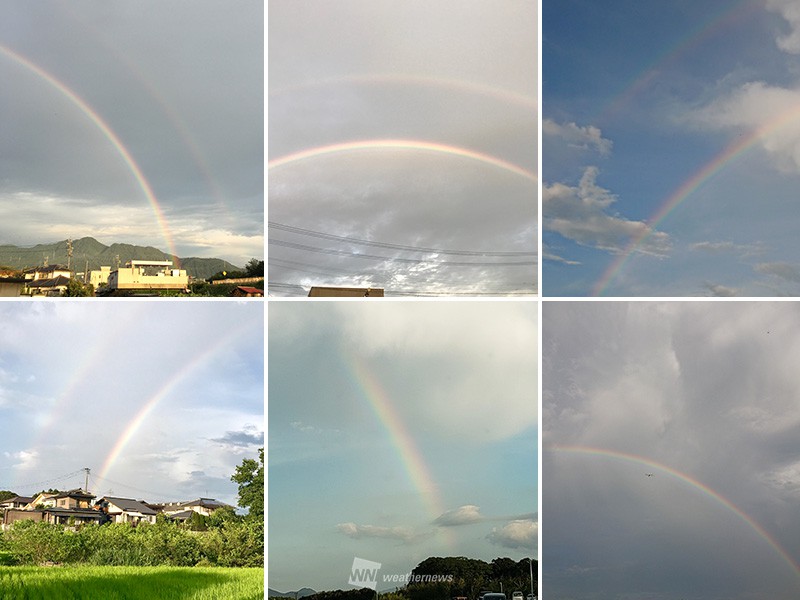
649,474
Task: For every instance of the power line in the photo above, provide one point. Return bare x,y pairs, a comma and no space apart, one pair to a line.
353,240
45,481
335,252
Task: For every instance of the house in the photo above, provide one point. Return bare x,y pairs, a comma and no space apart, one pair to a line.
243,291
203,506
340,292
16,502
49,272
144,275
11,283
126,510
72,507
48,287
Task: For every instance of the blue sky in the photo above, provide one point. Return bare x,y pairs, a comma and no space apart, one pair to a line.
74,375
638,96
703,396
461,377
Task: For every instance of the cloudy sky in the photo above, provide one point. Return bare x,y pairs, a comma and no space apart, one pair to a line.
670,147
399,431
410,126
137,122
161,400
703,396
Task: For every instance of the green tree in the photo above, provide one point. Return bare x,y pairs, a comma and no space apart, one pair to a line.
77,289
250,477
6,494
254,268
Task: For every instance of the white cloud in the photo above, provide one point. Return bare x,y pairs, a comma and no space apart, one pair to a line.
581,214
463,515
768,112
403,534
789,10
722,291
516,534
573,135
780,269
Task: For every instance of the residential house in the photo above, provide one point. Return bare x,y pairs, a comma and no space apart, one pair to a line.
16,502
243,291
126,510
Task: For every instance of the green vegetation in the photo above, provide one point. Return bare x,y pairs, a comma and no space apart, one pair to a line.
250,477
231,541
130,583
76,288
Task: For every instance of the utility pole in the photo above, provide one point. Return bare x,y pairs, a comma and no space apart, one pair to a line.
69,255
86,485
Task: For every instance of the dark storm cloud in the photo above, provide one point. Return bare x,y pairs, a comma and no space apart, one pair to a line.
181,86
702,395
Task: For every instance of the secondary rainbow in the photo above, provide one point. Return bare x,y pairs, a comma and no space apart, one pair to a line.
107,132
715,24
707,491
406,79
400,144
733,151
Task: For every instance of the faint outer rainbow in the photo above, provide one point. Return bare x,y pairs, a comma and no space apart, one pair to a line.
104,128
687,188
395,144
586,450
141,415
728,15
412,459
406,79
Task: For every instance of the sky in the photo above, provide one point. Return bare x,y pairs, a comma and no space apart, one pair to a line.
398,131
670,141
703,396
160,400
134,122
399,431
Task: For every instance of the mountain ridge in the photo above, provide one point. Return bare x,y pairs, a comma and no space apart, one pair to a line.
87,250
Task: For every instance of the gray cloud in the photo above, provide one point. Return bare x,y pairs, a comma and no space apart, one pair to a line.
700,394
177,90
402,534
411,73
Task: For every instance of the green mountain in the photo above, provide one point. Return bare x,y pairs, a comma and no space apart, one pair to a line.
89,252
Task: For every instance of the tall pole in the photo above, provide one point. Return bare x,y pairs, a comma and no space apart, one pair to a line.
86,485
530,562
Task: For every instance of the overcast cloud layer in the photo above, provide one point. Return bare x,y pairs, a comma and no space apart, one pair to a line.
74,376
453,73
697,391
671,170
180,84
461,381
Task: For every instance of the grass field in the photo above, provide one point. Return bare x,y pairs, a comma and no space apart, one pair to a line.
130,583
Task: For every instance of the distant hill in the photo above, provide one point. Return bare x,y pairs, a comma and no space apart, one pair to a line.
89,250
302,593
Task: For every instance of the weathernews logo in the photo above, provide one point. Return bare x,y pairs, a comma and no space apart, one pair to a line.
364,573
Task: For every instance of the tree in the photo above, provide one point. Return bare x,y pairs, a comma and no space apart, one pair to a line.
250,477
255,268
6,494
75,289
